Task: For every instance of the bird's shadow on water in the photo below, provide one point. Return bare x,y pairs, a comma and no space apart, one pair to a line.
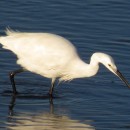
28,96
51,119
14,97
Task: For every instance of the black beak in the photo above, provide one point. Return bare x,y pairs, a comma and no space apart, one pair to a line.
118,73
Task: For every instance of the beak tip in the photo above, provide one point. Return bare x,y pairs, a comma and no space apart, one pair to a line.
122,78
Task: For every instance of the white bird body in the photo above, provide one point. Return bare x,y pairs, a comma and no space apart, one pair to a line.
53,56
47,54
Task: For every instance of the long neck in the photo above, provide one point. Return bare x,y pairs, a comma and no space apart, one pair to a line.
81,69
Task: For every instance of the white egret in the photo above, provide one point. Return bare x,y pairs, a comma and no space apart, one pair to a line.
53,56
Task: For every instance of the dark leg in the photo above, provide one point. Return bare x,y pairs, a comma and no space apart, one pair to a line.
12,104
11,75
52,86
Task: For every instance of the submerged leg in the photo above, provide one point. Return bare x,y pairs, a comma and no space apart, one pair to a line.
52,86
11,75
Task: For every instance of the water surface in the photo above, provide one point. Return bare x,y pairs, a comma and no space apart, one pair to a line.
98,103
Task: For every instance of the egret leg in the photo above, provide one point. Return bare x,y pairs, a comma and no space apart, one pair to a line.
52,86
11,75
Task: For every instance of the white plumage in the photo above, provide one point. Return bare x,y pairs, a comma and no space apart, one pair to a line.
53,56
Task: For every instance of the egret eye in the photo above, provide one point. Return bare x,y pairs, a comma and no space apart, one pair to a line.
109,64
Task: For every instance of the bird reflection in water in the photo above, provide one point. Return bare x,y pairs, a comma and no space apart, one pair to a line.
43,121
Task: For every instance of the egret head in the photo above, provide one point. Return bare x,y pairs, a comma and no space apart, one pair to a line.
109,63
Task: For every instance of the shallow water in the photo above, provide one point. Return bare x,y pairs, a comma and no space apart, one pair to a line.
97,103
